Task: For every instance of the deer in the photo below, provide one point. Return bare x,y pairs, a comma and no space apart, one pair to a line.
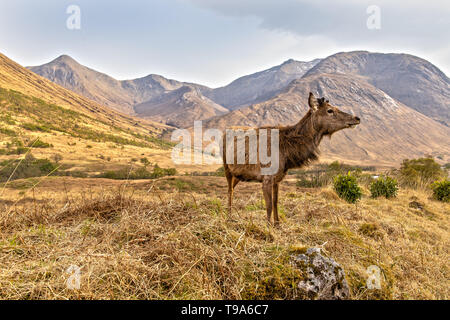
298,145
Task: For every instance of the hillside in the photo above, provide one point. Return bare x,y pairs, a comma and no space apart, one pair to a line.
411,80
15,77
389,130
87,136
180,107
259,86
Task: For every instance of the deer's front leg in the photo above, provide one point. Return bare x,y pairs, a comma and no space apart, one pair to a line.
275,203
267,187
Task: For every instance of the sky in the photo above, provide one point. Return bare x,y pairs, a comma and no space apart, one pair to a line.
213,42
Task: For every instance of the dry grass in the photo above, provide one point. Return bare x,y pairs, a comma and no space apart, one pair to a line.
149,240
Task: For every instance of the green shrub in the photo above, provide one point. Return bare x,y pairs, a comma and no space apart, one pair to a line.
36,127
74,174
160,172
220,172
419,172
18,151
138,174
122,174
347,188
8,132
322,174
384,187
441,190
29,167
145,162
39,144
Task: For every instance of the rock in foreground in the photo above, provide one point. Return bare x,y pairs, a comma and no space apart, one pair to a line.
324,277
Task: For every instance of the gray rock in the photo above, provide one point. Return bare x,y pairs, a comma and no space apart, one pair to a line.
325,279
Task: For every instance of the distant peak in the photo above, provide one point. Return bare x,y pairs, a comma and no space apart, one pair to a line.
65,58
288,61
291,61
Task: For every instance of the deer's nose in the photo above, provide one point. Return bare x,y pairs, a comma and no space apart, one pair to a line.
357,119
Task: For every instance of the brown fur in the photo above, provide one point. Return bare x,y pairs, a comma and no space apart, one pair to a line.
298,145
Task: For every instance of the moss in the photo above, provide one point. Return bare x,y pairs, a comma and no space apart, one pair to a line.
370,230
254,231
278,279
297,249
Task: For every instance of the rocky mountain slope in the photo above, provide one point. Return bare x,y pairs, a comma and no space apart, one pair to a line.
180,107
409,79
259,86
94,85
97,86
389,130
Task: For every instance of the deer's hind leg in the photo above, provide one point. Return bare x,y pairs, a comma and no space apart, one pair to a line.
267,187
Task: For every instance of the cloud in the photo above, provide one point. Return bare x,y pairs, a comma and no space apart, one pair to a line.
213,42
342,20
412,26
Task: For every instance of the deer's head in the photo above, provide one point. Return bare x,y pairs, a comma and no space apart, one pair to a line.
329,119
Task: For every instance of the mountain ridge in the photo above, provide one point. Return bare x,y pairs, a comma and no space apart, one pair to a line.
389,131
412,80
120,95
261,85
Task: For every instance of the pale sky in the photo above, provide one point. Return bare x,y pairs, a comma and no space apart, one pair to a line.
213,42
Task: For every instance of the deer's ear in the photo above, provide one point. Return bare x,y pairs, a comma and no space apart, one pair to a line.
312,101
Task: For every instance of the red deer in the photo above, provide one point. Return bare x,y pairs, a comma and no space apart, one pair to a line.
297,145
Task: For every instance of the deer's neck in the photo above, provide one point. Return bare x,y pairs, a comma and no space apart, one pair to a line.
302,143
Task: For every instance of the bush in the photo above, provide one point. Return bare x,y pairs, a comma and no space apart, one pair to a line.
8,132
29,167
219,172
160,172
347,188
419,172
138,174
18,151
145,162
441,190
39,144
384,187
36,127
323,174
74,174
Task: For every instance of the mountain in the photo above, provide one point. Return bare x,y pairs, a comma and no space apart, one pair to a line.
259,86
180,107
411,80
403,101
67,124
389,130
91,84
14,76
97,86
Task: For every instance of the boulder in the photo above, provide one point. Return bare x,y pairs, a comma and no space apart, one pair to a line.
324,277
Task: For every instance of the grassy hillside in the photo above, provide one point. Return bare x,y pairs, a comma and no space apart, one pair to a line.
171,239
29,124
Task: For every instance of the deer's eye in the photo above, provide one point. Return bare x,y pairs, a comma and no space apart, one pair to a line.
330,111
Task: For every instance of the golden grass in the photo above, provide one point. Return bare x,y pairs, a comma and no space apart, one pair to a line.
149,240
